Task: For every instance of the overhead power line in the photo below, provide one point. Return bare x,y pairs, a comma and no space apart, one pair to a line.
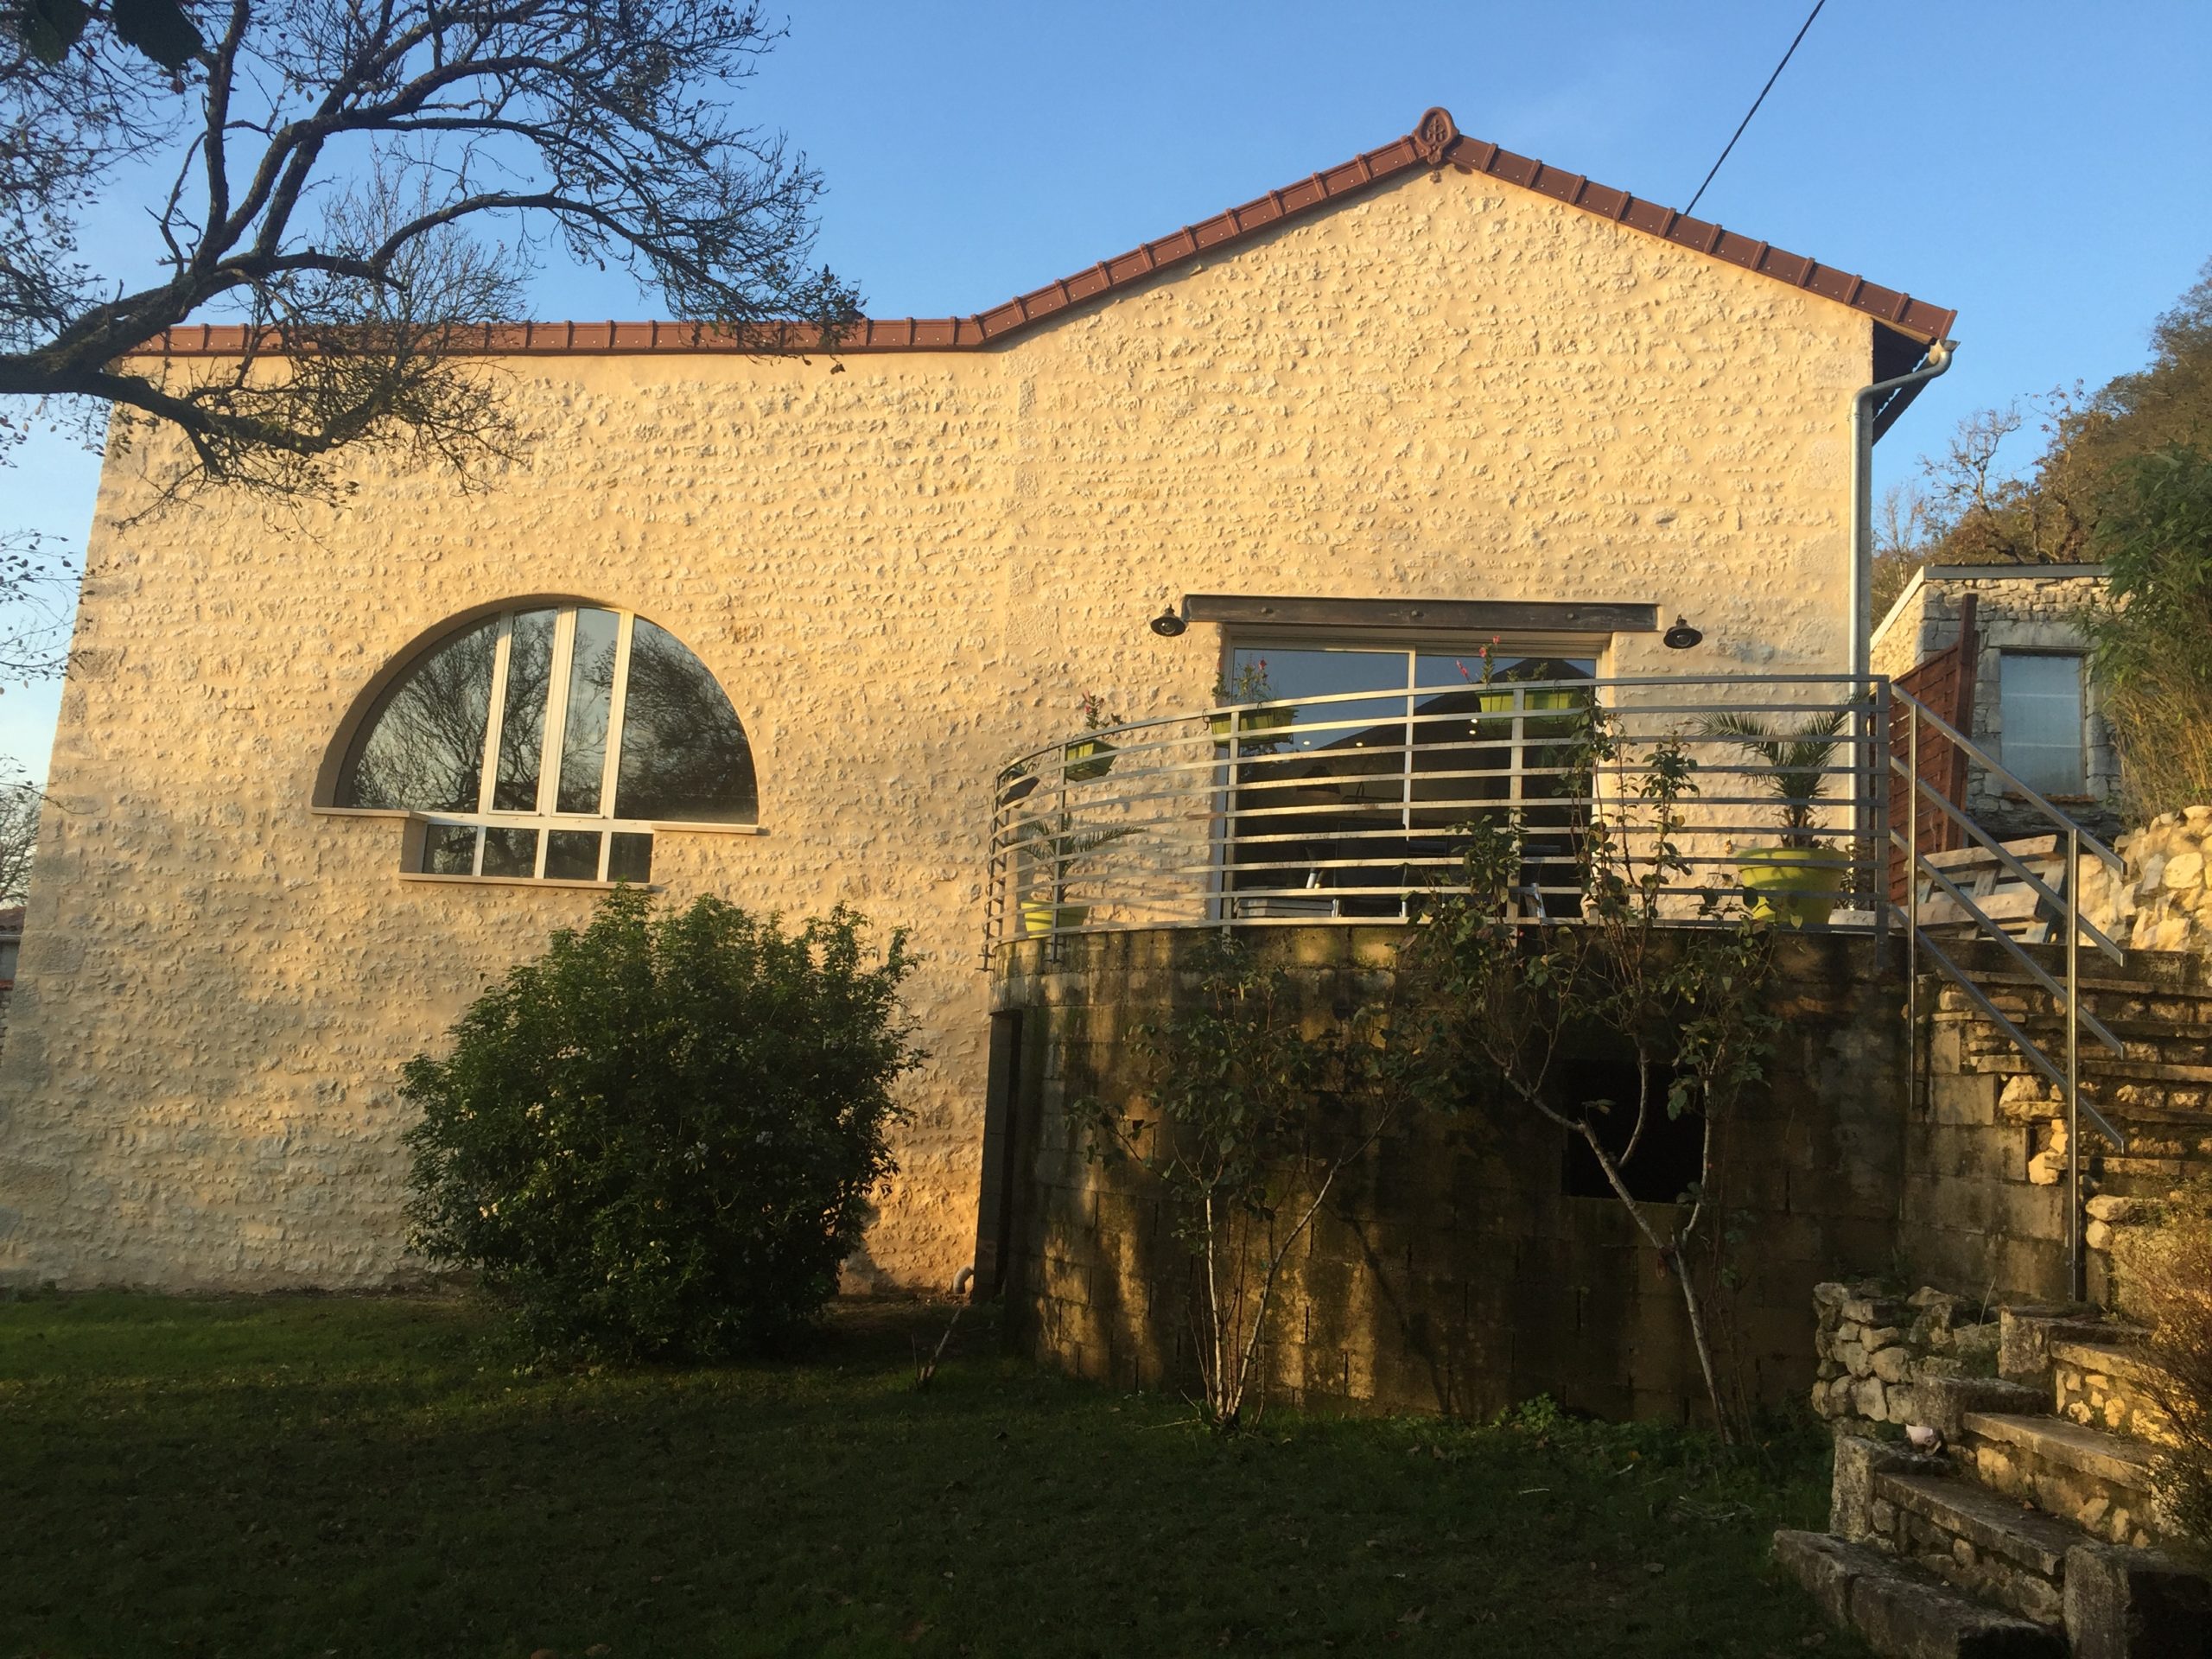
1756,102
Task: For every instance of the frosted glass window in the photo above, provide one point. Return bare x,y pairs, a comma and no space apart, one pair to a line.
2040,718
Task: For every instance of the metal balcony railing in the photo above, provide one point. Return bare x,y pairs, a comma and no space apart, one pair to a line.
1345,809
1920,727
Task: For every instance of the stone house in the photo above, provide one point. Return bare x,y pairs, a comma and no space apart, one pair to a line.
768,622
2034,698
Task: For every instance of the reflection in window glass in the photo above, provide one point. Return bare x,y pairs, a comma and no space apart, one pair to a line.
1338,814
422,747
522,722
679,752
684,755
449,849
2039,704
631,858
509,851
572,855
591,691
1358,723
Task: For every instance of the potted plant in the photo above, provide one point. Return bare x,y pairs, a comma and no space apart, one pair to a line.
1502,701
1091,757
1797,880
1249,686
1047,851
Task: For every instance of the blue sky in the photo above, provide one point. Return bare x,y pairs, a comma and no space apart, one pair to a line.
2045,167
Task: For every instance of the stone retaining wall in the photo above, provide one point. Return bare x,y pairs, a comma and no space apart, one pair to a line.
1874,1350
2164,901
1451,1272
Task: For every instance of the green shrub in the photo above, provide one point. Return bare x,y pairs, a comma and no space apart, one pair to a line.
2166,1282
2154,643
660,1138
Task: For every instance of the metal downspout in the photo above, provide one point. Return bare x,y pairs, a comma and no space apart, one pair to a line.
1860,552
1862,499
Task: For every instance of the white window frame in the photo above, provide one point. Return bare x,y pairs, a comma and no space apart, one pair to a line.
544,816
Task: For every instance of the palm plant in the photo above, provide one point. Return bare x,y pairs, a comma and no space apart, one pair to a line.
1047,847
1796,761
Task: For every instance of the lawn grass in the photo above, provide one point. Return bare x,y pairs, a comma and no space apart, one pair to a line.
322,1475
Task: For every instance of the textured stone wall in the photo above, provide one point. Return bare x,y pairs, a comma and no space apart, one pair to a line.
1450,1271
1986,1152
904,569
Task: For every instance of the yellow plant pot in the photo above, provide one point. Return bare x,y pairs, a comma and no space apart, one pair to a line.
1254,721
1796,886
1088,757
1040,917
1501,703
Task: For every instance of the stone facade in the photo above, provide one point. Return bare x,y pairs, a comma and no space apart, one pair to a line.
904,567
1450,1271
2016,607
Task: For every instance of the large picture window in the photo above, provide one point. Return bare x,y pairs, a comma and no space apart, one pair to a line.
1338,805
549,743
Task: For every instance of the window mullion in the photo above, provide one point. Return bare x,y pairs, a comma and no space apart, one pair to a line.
557,729
618,697
487,776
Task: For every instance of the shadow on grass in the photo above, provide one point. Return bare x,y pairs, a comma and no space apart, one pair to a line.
350,1475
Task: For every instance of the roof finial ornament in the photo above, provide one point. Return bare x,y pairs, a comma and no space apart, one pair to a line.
1433,136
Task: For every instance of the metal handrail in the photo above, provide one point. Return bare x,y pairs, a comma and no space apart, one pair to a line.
1974,752
2078,1019
1349,804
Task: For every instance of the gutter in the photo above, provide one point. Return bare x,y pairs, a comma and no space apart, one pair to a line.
1861,551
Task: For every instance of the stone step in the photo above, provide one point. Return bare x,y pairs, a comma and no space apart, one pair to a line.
2107,1385
2025,1331
1942,1402
1902,1612
1977,1541
2100,1482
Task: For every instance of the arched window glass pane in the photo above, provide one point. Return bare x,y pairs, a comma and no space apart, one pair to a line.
591,689
522,726
423,747
684,755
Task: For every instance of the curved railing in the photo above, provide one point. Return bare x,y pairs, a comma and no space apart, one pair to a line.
1345,809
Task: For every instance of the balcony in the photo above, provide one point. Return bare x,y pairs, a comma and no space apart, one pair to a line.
1345,809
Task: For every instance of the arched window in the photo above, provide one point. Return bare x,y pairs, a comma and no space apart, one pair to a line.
549,743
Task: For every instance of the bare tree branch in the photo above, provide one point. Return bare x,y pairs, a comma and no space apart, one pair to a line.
360,179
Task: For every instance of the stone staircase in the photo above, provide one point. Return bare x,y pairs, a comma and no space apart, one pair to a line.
2031,1529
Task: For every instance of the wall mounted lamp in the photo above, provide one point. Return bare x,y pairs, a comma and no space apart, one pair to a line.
1682,635
1167,625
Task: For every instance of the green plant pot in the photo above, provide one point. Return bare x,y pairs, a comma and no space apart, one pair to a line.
1041,916
1088,757
1796,886
1255,720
